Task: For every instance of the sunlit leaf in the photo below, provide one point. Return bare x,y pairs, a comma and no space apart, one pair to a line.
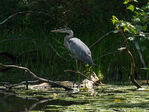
123,23
54,95
87,65
131,7
115,31
126,1
125,29
142,34
121,48
136,19
135,0
117,100
147,90
114,19
131,38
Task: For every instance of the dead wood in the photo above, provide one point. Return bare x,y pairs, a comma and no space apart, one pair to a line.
35,76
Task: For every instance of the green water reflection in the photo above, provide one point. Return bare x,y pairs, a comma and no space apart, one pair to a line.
111,99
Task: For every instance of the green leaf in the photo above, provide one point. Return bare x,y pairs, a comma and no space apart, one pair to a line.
131,7
114,19
136,19
134,30
126,2
125,28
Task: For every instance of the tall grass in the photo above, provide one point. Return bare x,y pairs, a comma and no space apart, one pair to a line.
50,62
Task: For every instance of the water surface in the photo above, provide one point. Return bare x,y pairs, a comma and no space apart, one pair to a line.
110,98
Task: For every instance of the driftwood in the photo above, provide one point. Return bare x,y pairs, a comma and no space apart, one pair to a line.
34,75
86,83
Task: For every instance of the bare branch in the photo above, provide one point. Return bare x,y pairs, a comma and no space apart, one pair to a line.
18,84
34,75
101,38
109,53
23,12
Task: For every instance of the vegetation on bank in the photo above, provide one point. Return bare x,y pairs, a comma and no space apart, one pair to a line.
28,39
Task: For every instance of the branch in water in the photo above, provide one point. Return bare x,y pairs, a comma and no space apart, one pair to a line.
34,75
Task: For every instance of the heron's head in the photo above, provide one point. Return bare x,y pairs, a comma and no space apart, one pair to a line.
63,30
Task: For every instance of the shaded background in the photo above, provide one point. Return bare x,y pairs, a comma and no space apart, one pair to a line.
28,40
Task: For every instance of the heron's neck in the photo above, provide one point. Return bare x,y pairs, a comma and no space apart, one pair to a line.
70,34
66,39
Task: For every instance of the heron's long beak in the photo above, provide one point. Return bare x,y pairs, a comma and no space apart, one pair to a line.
59,30
54,31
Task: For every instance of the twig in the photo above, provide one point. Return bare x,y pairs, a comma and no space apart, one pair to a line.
101,38
77,72
34,75
18,84
13,15
109,53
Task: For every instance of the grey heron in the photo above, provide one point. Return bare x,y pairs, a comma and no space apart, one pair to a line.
79,50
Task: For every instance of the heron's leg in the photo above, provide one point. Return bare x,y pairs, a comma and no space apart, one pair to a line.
80,66
77,69
76,64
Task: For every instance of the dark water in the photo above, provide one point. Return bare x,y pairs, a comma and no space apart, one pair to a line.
113,98
14,103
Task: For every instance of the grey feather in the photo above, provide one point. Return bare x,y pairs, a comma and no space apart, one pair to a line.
80,50
76,46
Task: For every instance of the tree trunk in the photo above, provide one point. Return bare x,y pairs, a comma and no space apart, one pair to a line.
132,61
